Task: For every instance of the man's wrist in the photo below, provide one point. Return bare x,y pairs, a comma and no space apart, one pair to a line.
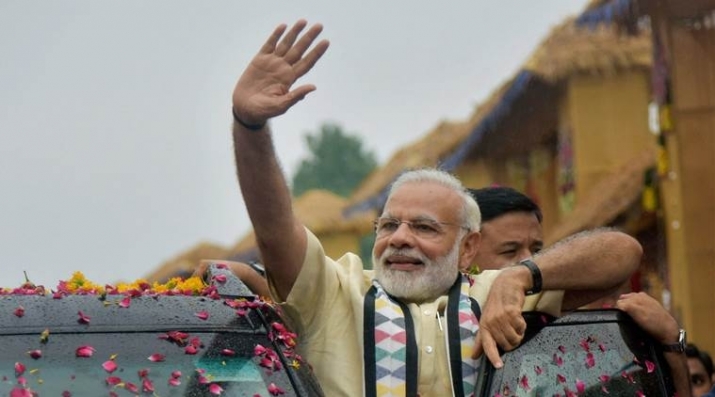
536,280
248,126
677,347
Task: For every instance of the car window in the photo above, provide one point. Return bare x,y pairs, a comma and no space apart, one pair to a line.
609,358
147,362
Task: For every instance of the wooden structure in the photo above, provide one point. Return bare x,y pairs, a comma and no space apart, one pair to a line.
569,127
683,92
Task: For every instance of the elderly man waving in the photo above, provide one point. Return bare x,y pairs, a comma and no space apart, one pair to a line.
410,327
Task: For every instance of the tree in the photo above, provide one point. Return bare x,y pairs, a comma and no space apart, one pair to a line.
337,162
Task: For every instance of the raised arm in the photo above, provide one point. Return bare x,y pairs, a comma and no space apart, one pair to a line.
587,266
265,90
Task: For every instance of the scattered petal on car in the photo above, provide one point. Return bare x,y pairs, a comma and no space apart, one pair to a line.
84,351
83,318
109,366
156,357
275,390
19,312
215,389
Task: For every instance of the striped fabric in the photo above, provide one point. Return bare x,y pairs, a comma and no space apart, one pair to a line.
391,366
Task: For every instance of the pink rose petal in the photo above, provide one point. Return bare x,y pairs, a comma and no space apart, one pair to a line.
109,366
131,387
221,278
524,383
20,392
275,390
203,315
156,357
215,389
83,318
113,380
590,361
147,386
35,353
580,386
126,302
649,366
19,369
84,351
19,312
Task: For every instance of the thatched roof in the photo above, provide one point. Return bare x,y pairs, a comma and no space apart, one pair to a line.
524,106
616,193
627,12
570,50
426,152
320,211
186,262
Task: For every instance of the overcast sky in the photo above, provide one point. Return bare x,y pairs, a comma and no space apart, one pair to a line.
115,115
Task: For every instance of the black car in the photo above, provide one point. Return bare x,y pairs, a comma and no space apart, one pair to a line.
584,353
225,343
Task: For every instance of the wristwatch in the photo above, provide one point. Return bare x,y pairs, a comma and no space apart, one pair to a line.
677,347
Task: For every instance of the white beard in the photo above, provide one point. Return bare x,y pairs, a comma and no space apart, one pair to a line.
422,285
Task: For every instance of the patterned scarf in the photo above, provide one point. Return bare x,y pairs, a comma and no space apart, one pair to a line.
390,358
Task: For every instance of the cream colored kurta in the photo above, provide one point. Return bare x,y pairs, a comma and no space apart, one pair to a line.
325,308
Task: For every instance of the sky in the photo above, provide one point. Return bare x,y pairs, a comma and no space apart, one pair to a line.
115,149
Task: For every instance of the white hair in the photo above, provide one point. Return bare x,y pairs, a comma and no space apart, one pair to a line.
470,216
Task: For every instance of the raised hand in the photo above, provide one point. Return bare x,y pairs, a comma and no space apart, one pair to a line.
265,87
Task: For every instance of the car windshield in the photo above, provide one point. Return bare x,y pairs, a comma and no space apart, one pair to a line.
580,359
146,363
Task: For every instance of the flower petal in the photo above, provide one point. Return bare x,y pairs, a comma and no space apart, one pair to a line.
650,366
147,386
19,312
84,351
580,386
45,336
83,318
37,353
215,389
126,302
203,315
590,361
113,380
19,369
228,353
109,366
524,383
131,387
275,390
156,357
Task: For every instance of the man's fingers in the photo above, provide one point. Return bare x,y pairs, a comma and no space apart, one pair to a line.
492,352
296,52
289,38
306,63
270,45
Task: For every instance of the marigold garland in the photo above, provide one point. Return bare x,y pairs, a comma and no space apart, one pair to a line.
78,284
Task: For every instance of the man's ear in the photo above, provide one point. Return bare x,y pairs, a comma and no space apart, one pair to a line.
468,249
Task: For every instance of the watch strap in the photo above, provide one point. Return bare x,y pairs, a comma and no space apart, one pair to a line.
536,280
676,347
